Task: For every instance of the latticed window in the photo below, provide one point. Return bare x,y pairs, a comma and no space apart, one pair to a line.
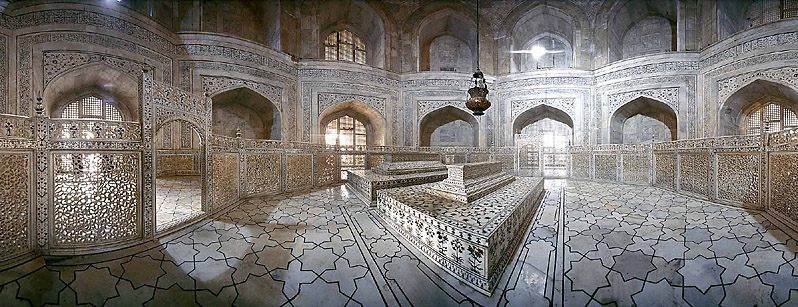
347,131
344,46
91,107
766,11
770,118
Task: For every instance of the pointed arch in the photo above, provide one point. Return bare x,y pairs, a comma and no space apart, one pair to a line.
446,115
246,109
540,112
756,94
372,119
180,164
445,24
649,111
546,120
113,86
360,18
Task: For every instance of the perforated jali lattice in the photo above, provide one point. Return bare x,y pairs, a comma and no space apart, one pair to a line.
95,197
15,200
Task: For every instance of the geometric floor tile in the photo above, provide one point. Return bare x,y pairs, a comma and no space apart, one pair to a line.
589,243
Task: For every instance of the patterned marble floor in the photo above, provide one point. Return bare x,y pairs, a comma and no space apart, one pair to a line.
617,245
177,199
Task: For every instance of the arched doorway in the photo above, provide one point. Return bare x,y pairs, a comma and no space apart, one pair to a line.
247,111
544,133
759,107
179,169
643,120
449,126
353,126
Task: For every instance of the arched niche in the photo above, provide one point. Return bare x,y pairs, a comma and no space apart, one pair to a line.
545,121
549,27
462,125
733,111
446,36
371,119
242,108
626,15
180,172
650,35
562,57
641,120
114,87
357,17
448,53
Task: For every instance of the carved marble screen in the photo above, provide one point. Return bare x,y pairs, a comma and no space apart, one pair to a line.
15,196
95,198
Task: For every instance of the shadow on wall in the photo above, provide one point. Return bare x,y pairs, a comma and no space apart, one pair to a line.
735,111
247,110
449,126
653,113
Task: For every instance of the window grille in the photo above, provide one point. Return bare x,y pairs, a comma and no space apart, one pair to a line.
91,107
770,118
344,46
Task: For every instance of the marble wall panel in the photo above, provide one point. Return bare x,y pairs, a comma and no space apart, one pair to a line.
95,198
695,173
783,176
606,167
326,168
636,168
15,196
739,179
580,166
665,170
263,173
225,178
298,172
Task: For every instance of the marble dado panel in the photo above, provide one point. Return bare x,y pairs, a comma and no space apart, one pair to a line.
635,168
783,184
761,43
216,84
695,173
15,196
346,92
739,179
298,172
606,167
326,100
454,83
56,63
668,95
326,169
225,178
97,20
534,81
263,171
4,89
665,167
351,76
663,68
784,75
427,106
177,164
25,66
283,67
566,105
109,213
580,165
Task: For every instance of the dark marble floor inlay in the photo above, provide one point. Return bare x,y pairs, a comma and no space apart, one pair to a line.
616,245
